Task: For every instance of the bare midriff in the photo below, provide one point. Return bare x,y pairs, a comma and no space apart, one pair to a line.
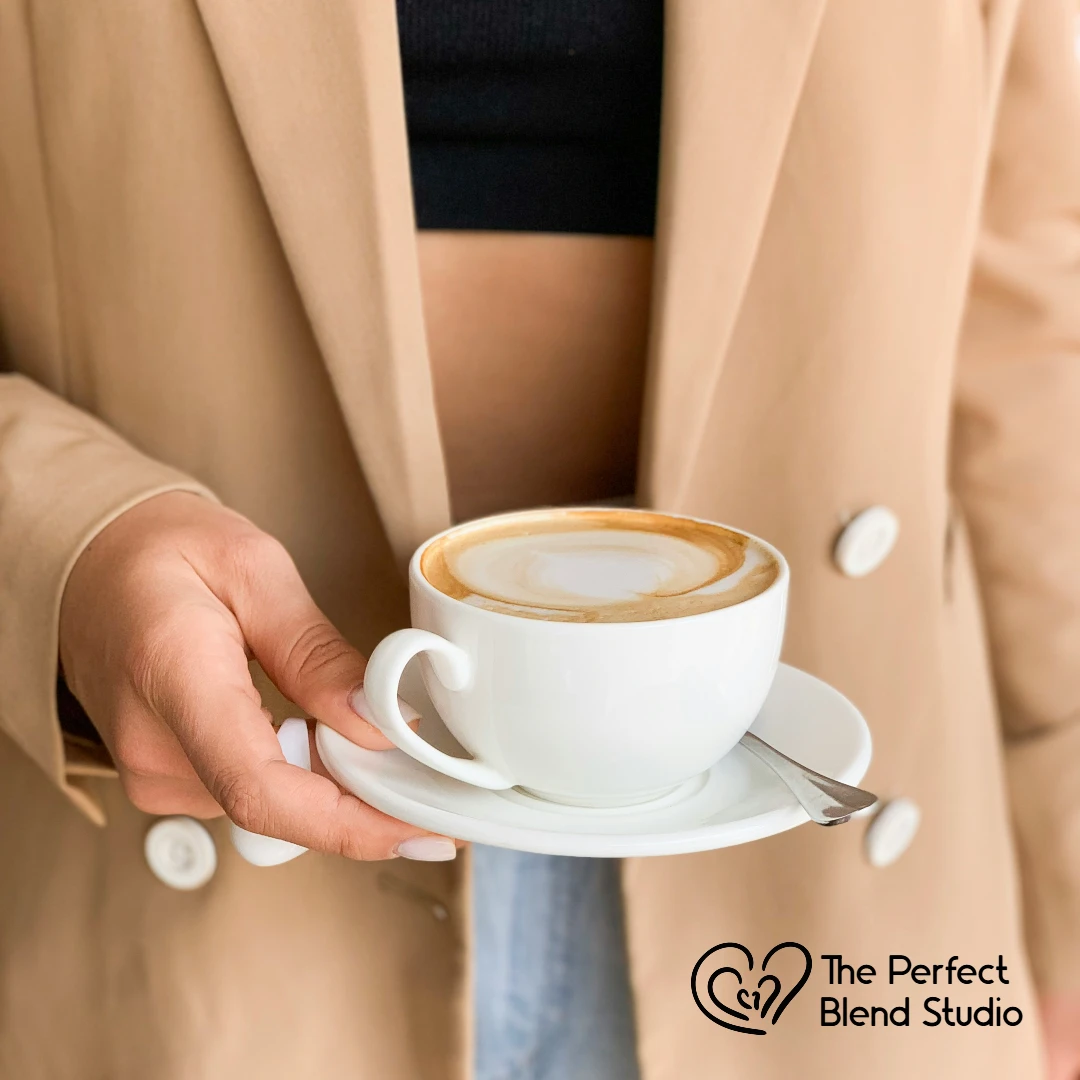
537,346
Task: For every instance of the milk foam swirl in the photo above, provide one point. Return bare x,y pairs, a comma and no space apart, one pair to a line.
598,566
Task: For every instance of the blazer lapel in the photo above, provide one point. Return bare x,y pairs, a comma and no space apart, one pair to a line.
733,75
316,88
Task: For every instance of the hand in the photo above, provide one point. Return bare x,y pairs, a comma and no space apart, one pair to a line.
159,618
1061,1029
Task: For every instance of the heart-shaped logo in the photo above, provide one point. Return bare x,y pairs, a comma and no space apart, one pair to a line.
725,990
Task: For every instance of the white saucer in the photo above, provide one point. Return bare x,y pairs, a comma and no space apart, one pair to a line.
736,801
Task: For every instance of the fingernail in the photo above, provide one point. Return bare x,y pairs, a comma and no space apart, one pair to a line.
360,705
427,849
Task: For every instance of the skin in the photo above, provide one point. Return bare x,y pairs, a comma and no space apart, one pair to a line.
1061,1028
557,321
159,619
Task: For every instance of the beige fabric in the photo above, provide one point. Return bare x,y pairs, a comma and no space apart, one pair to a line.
207,246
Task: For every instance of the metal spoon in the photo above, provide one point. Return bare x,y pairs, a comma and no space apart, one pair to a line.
827,801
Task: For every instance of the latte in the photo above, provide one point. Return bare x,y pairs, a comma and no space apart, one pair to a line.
602,565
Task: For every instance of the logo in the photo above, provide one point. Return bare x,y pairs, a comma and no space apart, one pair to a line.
724,989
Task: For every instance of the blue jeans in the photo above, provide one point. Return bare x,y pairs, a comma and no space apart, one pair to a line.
552,997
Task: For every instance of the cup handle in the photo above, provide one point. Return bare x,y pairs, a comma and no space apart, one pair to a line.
453,669
262,850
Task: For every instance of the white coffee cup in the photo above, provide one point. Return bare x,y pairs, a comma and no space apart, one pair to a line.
590,714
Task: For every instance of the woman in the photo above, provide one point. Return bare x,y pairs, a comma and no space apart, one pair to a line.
226,428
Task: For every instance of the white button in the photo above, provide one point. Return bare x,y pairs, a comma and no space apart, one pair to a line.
180,852
866,540
890,834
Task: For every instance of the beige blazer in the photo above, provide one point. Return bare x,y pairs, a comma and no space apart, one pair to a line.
867,291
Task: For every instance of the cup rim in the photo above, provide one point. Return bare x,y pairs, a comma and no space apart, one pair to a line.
417,579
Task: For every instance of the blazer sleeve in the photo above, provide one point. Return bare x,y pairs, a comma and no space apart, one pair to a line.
63,477
1017,464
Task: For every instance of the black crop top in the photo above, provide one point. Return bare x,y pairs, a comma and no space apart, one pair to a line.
533,115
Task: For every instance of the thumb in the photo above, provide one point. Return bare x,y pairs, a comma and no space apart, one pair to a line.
303,653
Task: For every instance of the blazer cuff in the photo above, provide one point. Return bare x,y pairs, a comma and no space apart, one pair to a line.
61,483
1044,778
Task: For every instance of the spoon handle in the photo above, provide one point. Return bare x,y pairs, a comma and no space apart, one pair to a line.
827,801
